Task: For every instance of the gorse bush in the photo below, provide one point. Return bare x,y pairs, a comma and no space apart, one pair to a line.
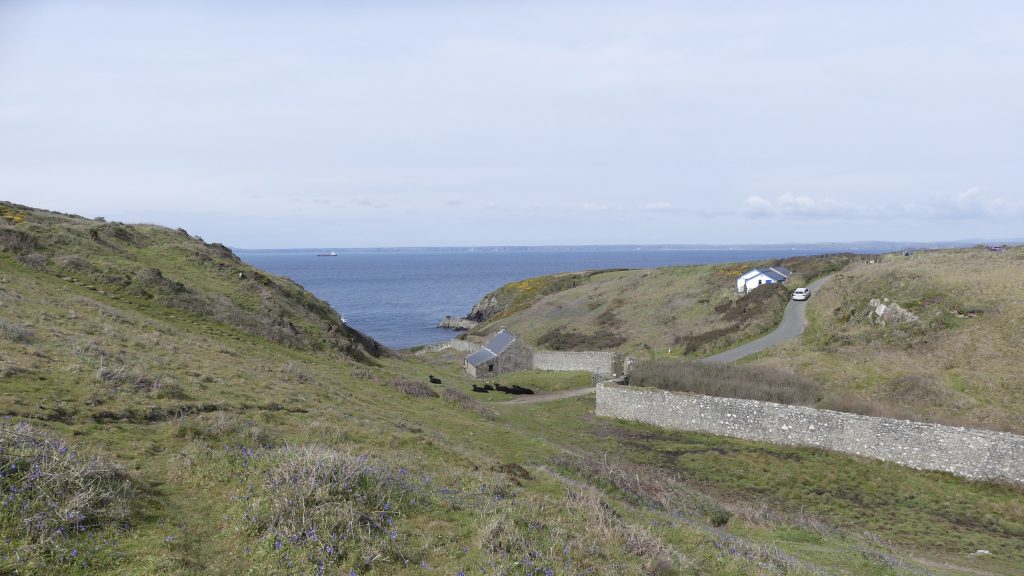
53,495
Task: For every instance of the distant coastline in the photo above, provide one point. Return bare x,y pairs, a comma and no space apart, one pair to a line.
865,246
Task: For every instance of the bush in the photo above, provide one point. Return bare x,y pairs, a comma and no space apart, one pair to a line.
52,493
17,332
35,260
225,426
325,506
462,400
131,379
759,383
414,388
728,381
646,486
559,339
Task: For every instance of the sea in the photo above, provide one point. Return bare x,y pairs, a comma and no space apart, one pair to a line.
398,296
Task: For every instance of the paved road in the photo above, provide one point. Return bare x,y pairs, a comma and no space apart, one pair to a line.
794,319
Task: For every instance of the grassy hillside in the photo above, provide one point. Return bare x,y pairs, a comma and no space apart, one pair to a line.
692,310
959,362
180,433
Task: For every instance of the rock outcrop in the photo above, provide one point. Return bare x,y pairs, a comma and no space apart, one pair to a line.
886,312
488,306
455,323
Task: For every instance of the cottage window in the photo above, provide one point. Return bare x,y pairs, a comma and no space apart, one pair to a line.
490,367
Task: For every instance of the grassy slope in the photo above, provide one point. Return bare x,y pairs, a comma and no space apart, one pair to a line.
690,309
960,363
217,492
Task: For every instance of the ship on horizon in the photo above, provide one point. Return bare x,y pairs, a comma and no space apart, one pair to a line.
331,253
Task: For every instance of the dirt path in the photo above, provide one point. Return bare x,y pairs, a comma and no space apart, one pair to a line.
549,396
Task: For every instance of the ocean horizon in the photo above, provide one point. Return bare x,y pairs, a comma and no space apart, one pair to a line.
398,296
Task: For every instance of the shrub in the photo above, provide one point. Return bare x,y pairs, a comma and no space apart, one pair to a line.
125,377
729,381
17,332
326,506
462,400
765,384
52,492
559,339
414,388
35,260
646,486
600,519
224,426
297,372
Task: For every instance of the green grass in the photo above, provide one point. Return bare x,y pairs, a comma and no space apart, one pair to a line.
547,381
232,440
690,310
914,514
958,364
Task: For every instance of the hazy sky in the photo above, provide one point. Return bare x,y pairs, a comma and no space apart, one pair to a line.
433,123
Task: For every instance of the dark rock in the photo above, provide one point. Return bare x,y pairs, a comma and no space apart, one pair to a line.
454,323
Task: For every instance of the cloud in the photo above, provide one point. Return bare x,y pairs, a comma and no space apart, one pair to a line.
791,205
657,207
797,206
756,206
973,203
591,207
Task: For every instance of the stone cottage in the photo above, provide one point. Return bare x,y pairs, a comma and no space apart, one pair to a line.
502,354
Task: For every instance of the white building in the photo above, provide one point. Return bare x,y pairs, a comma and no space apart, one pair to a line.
760,276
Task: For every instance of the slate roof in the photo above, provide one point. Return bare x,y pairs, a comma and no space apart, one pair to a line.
492,349
480,356
777,273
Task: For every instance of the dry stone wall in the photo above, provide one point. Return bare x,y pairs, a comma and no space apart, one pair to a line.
976,454
596,362
460,345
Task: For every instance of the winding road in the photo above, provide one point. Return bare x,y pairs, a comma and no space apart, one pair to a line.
794,320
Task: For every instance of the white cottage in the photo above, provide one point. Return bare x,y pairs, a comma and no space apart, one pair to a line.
760,276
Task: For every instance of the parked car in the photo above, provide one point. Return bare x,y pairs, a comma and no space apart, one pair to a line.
801,294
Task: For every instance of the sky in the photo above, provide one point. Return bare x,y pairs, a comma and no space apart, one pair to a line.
459,123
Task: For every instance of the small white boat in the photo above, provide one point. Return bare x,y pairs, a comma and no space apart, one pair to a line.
332,253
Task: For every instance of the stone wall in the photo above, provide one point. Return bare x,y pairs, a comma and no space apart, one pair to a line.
518,356
976,454
461,345
597,362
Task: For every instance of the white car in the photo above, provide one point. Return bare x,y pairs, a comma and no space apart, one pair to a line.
801,294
